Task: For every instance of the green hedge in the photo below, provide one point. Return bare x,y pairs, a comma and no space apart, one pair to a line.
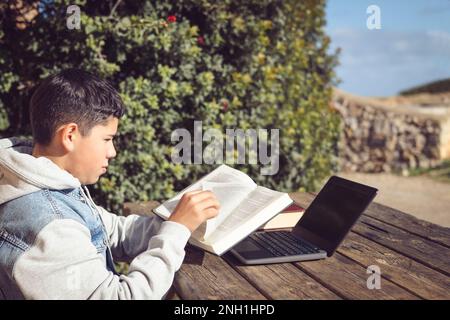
231,64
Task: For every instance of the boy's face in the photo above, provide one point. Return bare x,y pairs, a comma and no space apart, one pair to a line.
89,158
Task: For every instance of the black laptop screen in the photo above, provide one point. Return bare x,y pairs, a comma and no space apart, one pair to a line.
333,212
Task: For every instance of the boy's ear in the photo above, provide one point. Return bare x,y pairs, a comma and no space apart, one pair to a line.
68,134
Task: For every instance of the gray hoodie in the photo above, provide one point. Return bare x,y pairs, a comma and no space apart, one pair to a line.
55,243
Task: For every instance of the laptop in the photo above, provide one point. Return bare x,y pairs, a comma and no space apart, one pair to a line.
318,233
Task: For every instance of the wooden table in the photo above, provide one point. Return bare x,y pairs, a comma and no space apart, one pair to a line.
413,257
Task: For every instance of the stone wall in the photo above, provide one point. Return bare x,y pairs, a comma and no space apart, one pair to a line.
380,138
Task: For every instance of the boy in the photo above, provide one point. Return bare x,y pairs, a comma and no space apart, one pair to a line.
55,243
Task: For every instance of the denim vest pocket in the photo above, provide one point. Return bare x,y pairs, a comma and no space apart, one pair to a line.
98,238
12,240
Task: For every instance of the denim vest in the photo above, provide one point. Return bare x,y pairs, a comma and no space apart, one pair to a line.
23,218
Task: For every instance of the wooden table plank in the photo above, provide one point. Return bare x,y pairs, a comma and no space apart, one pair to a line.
417,248
410,223
143,208
282,281
394,217
413,255
405,272
428,252
172,294
348,279
206,276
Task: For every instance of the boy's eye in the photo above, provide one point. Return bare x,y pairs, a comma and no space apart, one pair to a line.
108,139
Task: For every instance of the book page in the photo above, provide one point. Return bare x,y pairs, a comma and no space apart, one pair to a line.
229,185
226,174
257,200
229,196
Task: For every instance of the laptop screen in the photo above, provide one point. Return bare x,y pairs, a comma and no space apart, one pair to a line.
333,212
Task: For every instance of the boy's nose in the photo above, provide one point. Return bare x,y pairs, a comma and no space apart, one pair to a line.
111,153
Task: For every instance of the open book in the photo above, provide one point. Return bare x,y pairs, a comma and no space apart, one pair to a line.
245,206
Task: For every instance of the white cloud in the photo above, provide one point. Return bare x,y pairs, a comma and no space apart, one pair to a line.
441,39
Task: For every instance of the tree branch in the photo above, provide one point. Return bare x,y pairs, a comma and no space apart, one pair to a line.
114,8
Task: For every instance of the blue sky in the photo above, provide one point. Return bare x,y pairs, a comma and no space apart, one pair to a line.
411,48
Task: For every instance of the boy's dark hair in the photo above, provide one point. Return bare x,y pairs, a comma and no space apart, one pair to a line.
72,96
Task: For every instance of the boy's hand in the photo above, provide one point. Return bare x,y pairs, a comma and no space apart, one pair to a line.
194,208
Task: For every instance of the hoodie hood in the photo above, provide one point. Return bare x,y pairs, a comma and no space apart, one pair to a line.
21,173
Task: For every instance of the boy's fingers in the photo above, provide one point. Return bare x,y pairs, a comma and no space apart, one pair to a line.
211,213
200,195
209,203
195,191
191,193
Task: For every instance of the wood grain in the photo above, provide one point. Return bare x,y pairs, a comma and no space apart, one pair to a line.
413,256
207,276
410,223
140,208
282,281
417,248
403,271
349,280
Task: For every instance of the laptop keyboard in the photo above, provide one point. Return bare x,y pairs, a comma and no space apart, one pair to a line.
283,243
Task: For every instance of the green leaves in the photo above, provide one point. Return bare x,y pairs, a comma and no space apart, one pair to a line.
231,64
7,80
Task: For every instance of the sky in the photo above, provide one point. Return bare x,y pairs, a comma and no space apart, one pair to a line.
411,48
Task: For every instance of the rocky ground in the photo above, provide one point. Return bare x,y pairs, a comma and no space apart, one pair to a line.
426,196
420,99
